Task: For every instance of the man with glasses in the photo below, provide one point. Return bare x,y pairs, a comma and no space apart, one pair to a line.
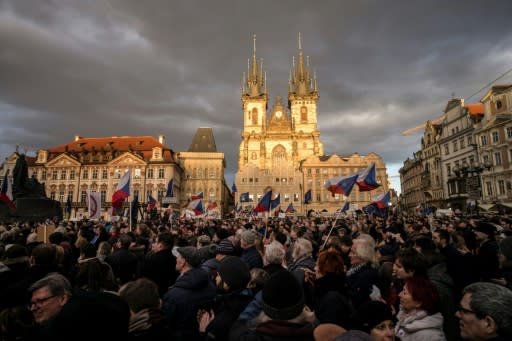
49,295
485,312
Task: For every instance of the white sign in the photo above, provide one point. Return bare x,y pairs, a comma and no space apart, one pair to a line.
169,200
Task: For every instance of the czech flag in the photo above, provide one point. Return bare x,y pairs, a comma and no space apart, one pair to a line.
290,209
233,188
341,184
196,206
122,191
212,206
307,197
264,203
382,200
197,196
366,180
151,203
276,202
6,193
345,207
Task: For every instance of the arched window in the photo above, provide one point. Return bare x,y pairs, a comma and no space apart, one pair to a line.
278,156
303,114
254,116
254,156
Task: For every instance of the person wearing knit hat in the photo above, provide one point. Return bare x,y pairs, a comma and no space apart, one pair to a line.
487,261
231,280
225,247
284,315
233,273
282,296
376,319
250,255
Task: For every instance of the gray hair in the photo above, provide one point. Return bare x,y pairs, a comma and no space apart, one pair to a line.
364,247
274,253
302,248
56,283
494,301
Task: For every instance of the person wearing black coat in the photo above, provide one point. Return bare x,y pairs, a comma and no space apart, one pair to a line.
192,291
232,278
124,263
160,264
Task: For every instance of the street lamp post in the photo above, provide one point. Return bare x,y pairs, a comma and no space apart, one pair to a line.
471,173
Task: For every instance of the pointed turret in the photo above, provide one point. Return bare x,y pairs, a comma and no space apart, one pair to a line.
255,82
301,83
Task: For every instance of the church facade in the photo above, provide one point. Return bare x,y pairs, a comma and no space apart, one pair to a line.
278,144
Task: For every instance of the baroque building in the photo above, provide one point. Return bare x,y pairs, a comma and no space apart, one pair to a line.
279,145
97,164
458,151
493,135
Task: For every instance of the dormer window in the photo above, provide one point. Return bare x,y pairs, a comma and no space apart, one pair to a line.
157,153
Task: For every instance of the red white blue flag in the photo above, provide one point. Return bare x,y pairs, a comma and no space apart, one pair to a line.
382,200
366,180
341,184
196,206
122,191
6,193
197,196
151,203
264,203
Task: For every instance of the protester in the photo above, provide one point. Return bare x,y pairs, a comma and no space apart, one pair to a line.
284,315
192,291
376,319
485,313
419,317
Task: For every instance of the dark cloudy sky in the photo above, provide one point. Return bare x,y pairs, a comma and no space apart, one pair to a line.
131,67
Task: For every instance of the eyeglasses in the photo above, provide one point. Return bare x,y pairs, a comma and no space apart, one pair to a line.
39,302
465,311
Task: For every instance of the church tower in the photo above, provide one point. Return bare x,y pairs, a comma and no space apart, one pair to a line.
275,142
302,100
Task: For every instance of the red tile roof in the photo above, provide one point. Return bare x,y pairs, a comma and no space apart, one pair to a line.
140,144
475,109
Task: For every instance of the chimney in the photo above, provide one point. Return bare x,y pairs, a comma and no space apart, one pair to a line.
77,137
161,139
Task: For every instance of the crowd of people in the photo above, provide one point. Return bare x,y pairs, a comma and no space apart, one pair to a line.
294,278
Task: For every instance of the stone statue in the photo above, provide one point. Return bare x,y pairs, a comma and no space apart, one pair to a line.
22,186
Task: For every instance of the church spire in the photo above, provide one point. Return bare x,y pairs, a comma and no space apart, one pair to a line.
255,82
301,83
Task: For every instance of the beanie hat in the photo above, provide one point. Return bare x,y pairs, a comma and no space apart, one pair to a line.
234,272
189,253
486,228
369,315
249,236
225,247
282,296
506,248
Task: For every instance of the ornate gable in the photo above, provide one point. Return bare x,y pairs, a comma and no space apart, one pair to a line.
63,160
127,159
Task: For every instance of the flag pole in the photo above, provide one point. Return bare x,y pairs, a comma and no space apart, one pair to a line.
130,208
330,231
